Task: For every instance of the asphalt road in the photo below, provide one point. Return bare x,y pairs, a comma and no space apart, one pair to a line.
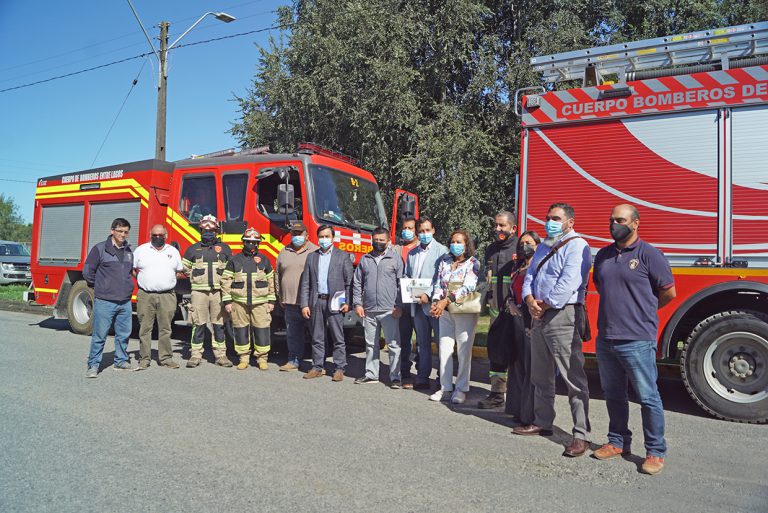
214,439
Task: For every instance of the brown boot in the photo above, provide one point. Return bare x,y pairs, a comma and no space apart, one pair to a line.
243,362
221,358
314,373
338,376
262,362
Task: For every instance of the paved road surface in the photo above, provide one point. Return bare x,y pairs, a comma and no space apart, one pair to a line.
213,439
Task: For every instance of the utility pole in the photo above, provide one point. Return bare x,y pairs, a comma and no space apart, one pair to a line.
162,74
162,92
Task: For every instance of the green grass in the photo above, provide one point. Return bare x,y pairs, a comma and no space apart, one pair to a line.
481,334
12,292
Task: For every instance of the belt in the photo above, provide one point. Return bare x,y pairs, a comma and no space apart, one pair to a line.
157,291
322,296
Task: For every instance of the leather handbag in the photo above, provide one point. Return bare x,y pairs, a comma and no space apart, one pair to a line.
469,304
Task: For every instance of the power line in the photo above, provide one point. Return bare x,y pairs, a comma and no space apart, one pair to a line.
17,181
140,56
120,110
76,72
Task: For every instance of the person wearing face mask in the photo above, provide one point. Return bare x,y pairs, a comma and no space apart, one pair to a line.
156,266
453,284
500,259
377,301
519,402
422,263
554,291
288,268
634,281
204,263
328,272
248,294
408,241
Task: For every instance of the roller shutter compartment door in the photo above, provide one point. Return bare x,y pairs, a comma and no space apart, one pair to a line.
102,215
61,235
666,165
749,185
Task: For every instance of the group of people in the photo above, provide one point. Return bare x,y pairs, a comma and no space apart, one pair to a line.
535,293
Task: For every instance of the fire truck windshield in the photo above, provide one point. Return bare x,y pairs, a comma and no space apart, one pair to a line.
345,199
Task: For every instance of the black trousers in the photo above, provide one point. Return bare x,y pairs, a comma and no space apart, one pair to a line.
519,386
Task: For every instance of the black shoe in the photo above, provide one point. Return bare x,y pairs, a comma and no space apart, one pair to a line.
421,386
364,380
396,384
494,400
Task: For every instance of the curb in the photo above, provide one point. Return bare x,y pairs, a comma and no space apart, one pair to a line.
24,307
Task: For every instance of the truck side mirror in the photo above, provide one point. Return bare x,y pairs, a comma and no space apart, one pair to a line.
406,206
286,203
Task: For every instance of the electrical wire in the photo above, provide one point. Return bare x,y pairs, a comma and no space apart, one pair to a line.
16,181
22,86
76,72
119,111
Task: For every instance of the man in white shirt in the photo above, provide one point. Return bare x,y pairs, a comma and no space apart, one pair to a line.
156,265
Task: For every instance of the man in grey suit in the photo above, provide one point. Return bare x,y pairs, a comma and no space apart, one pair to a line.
328,271
422,262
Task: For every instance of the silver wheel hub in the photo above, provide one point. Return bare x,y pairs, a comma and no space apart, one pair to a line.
82,307
736,367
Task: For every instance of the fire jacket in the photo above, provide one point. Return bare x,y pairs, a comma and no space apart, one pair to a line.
205,264
500,259
248,280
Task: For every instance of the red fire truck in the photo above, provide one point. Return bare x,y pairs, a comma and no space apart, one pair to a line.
677,127
74,211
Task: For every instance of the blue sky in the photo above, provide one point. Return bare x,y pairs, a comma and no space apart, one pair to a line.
58,126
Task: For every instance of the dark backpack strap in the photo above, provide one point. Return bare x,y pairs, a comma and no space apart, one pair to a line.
554,250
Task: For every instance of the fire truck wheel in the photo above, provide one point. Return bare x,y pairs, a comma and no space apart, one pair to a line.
724,366
80,308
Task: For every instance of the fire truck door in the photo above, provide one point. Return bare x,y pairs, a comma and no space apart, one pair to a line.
404,205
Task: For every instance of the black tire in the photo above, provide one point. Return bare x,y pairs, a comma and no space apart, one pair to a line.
724,366
80,308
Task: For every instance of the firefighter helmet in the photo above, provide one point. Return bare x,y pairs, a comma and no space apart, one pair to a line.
252,234
209,222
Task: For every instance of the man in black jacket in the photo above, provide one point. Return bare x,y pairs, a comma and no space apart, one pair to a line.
499,260
108,270
327,274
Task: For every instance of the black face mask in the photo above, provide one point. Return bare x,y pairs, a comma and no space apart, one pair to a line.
208,238
501,235
526,251
620,232
158,241
250,247
379,247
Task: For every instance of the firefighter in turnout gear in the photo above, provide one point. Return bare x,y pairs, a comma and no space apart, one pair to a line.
499,261
248,293
204,263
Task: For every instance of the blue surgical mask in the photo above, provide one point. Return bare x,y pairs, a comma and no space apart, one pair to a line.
554,228
298,240
407,235
457,249
325,242
425,238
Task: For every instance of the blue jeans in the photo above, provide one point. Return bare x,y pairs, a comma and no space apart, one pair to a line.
104,314
425,325
633,360
295,326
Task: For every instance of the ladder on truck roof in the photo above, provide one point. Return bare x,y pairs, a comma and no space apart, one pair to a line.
628,60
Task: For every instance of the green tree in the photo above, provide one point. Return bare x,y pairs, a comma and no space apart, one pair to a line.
12,225
420,92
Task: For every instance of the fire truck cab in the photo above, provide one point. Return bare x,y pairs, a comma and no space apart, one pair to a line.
316,186
675,126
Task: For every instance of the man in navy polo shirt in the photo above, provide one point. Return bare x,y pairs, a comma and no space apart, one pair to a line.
634,280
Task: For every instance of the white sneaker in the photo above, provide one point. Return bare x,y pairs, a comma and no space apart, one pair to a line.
458,397
440,396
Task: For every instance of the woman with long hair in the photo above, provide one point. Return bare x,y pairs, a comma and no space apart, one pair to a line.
519,387
454,304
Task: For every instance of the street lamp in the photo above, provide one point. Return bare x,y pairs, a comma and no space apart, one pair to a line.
162,58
